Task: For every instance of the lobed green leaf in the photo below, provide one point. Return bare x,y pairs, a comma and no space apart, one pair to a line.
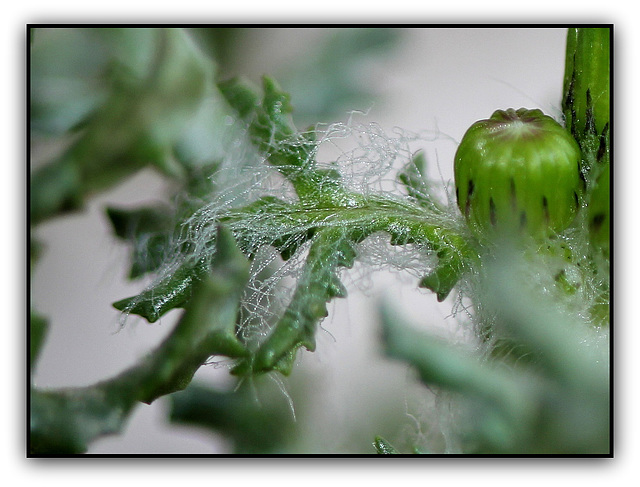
332,218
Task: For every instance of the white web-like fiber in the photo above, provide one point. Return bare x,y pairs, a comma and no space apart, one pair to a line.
367,159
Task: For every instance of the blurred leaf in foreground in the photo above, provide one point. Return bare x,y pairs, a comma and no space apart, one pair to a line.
556,402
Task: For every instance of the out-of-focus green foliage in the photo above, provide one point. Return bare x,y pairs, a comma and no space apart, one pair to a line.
256,425
65,421
125,122
329,79
556,401
222,44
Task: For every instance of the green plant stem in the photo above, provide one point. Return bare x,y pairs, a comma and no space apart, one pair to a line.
586,102
587,110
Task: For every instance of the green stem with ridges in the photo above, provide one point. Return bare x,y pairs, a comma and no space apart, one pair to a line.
587,110
586,102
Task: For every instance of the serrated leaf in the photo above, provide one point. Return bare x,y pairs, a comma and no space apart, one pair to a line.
318,284
173,292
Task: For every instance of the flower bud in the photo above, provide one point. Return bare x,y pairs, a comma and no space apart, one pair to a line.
518,173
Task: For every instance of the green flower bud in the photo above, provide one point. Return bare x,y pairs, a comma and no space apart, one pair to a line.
518,173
